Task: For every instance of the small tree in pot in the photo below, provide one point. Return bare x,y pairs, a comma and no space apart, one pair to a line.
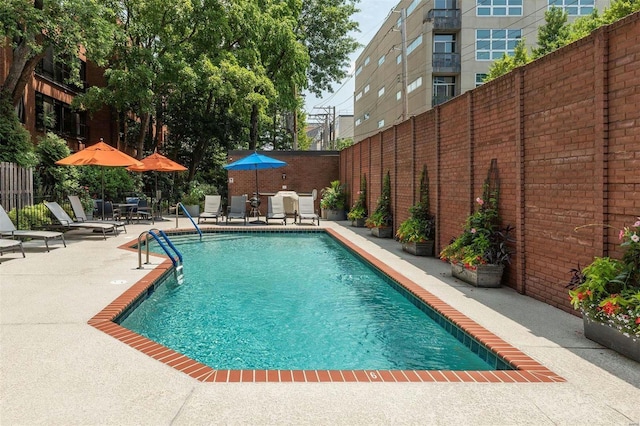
333,201
381,221
417,233
358,212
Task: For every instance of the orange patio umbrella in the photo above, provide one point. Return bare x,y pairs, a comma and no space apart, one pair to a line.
99,154
157,163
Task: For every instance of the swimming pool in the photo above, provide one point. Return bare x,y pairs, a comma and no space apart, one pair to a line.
298,301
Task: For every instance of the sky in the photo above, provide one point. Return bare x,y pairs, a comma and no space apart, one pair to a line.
372,15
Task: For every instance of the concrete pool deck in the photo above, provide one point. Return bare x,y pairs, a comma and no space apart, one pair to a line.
57,369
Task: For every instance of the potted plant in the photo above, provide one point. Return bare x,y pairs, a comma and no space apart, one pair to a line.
192,199
333,201
358,212
607,292
417,233
479,253
381,221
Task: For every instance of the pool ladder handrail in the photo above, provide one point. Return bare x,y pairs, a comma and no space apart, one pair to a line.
177,264
186,213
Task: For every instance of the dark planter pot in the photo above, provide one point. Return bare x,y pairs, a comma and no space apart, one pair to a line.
358,223
336,214
611,338
419,249
482,276
193,210
382,232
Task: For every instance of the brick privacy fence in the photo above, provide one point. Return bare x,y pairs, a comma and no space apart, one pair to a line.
305,171
565,131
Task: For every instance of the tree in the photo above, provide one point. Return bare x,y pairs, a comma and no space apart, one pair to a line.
67,26
15,141
507,63
553,34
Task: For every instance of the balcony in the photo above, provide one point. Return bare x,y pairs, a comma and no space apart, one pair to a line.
444,19
440,99
446,62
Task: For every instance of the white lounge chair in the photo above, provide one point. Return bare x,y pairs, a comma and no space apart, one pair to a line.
81,216
11,245
306,210
65,221
275,209
212,208
237,208
7,228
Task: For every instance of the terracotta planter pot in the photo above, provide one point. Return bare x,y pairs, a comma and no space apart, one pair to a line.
482,276
419,249
611,338
382,232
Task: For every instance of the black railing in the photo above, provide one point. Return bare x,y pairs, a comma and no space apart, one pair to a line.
445,19
446,62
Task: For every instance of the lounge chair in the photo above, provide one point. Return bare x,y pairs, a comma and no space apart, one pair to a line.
306,209
66,222
11,245
7,228
237,208
212,208
275,209
81,216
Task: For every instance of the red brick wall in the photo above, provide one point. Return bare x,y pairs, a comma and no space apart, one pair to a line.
305,171
565,133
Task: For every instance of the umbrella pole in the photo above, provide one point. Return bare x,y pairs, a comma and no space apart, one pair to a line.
102,173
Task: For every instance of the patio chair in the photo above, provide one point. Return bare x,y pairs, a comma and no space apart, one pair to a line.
237,208
275,209
7,228
11,245
81,216
306,210
141,210
212,208
65,221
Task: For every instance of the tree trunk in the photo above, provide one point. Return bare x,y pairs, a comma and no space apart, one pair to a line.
144,125
21,71
253,131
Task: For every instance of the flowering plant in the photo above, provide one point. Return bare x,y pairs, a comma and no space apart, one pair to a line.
482,240
608,290
383,214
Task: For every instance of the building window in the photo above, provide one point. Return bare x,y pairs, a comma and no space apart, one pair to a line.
60,73
358,70
493,44
358,121
366,89
399,59
382,59
574,7
381,92
358,96
64,121
414,85
415,43
500,7
366,61
380,124
445,4
412,6
398,95
366,116
444,43
480,79
444,88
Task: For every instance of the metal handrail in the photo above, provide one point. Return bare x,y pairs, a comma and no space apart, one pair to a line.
164,247
186,213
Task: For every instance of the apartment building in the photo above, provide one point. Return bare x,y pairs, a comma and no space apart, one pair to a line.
429,51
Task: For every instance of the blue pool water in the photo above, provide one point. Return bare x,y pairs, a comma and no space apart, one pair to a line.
292,301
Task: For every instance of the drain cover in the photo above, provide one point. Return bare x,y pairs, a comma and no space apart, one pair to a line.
119,282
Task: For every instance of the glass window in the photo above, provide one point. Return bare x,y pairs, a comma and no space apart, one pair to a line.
493,44
382,59
574,7
358,96
398,59
414,85
499,7
414,44
480,79
381,92
366,89
398,95
444,43
366,61
358,70
380,124
412,6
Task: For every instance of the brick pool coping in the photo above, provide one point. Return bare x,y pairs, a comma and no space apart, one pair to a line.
527,370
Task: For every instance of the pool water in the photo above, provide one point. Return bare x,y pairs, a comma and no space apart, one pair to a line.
292,301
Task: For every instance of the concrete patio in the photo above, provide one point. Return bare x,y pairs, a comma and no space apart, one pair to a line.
57,370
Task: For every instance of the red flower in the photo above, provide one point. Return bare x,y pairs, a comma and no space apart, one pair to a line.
609,308
638,320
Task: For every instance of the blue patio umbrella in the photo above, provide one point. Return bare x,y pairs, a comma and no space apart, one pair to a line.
255,162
